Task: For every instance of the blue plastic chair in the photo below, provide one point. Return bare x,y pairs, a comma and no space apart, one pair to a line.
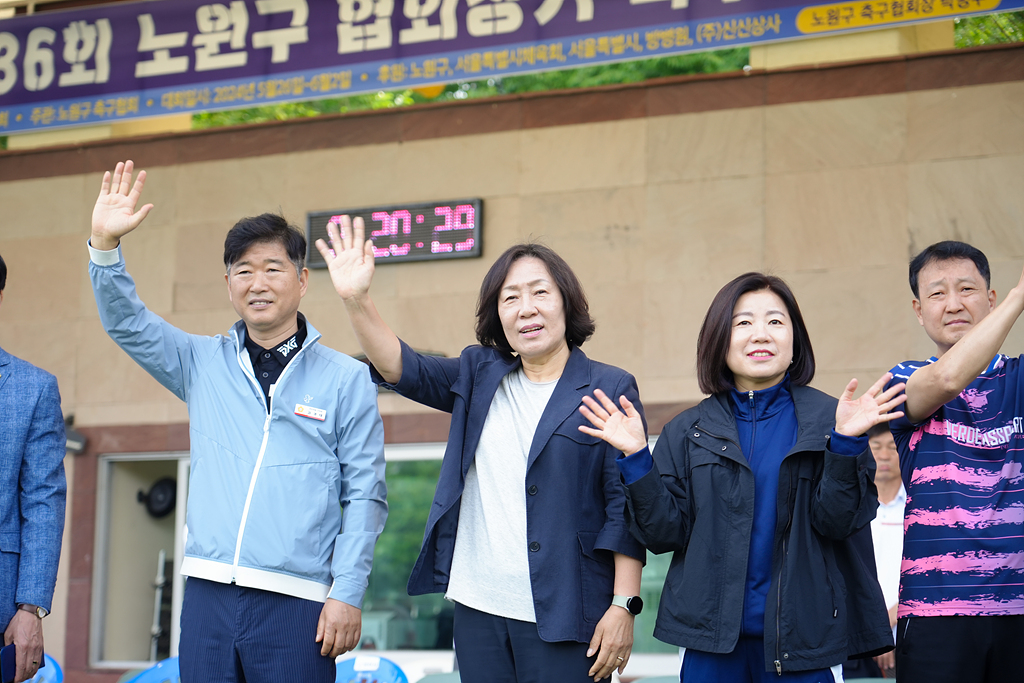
164,672
369,669
51,673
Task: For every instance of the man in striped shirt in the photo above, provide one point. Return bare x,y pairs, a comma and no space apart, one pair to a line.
961,445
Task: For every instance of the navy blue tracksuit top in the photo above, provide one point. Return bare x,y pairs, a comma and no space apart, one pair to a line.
766,421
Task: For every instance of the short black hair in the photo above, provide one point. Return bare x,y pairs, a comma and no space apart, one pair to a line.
267,227
713,373
878,430
3,274
579,326
949,250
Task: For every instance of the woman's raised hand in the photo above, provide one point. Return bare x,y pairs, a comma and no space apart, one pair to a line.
623,429
349,257
856,416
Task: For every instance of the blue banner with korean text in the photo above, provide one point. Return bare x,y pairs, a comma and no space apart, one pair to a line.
116,62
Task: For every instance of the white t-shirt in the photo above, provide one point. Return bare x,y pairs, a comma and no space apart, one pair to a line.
887,535
490,565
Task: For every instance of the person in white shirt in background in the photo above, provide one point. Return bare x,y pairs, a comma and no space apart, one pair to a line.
887,527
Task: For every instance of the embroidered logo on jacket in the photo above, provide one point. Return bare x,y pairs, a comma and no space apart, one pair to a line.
288,347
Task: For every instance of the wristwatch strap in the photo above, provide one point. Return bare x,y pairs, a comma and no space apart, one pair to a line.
632,604
33,609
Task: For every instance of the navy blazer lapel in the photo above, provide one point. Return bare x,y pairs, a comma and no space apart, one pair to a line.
565,401
485,385
5,367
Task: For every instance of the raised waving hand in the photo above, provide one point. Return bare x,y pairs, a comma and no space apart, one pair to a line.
114,215
349,258
855,416
623,429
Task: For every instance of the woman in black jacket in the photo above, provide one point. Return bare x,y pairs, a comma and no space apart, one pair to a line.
755,491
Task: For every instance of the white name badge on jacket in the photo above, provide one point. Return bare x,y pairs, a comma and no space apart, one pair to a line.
309,411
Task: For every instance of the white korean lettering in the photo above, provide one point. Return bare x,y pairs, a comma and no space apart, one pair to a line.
38,64
8,70
549,8
280,40
676,4
219,24
84,41
162,63
422,30
375,35
493,18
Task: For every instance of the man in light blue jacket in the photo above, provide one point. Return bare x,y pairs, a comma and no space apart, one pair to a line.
32,497
285,436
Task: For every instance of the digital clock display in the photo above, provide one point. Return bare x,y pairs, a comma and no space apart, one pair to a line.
409,232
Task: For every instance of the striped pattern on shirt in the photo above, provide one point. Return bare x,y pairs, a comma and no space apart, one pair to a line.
963,469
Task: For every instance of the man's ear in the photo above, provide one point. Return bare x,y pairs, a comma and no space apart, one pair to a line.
303,282
917,311
227,281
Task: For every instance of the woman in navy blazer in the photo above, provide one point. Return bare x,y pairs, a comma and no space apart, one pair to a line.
527,532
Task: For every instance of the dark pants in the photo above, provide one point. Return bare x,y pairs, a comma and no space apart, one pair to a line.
246,635
960,649
494,649
745,664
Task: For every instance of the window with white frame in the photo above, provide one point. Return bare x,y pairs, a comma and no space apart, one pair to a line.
137,590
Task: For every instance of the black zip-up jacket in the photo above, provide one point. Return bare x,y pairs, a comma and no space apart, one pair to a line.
824,603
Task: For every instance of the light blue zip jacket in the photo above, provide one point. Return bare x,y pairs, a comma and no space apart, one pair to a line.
266,491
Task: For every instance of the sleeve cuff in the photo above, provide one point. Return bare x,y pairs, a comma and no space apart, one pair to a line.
841,444
342,591
104,258
635,467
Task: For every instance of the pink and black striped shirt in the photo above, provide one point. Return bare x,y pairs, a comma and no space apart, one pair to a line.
963,469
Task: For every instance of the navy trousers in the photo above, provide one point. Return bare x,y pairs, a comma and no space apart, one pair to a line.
246,635
494,649
745,664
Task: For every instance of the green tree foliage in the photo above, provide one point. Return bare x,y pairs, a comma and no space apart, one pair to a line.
410,491
622,72
414,620
296,110
989,29
585,77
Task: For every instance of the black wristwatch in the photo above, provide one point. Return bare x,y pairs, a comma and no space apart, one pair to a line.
633,605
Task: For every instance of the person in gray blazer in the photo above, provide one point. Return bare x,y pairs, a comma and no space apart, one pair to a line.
32,498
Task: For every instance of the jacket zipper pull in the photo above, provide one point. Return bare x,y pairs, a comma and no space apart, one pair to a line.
778,667
751,397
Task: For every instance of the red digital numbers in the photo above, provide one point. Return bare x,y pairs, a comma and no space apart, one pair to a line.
463,217
417,231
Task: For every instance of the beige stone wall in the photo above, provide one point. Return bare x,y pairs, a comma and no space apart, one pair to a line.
655,213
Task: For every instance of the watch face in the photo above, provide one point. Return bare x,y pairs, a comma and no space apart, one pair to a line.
34,609
635,605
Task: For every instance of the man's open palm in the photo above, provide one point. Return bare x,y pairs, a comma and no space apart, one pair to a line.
114,215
